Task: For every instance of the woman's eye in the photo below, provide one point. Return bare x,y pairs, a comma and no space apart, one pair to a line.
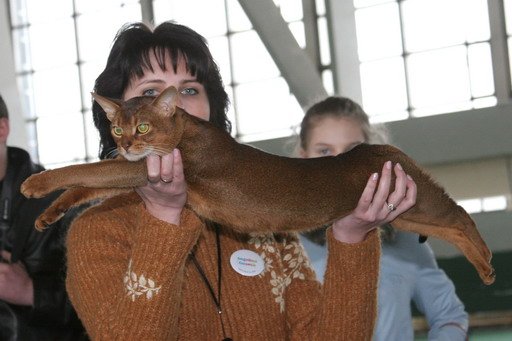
118,131
189,91
149,92
143,128
325,152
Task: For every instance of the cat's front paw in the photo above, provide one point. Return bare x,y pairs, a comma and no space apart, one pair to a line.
36,186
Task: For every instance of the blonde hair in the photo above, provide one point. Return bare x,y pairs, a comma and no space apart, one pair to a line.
341,107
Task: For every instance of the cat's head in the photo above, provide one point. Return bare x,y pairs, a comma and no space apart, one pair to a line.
142,125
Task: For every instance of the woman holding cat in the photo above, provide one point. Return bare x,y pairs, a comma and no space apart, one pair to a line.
408,269
142,265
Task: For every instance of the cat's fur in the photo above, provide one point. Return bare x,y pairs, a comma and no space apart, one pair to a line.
242,187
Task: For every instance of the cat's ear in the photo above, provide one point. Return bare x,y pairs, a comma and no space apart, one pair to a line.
108,105
166,101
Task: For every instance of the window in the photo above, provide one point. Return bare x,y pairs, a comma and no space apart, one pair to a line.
424,57
60,52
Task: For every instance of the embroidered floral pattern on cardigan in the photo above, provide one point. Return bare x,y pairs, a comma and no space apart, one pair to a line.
292,256
139,285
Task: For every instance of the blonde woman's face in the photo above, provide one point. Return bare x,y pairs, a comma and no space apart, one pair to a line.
331,136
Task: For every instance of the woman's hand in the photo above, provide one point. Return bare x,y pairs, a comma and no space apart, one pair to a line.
16,286
377,206
165,194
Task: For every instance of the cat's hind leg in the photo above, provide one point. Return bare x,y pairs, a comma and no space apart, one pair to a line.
71,198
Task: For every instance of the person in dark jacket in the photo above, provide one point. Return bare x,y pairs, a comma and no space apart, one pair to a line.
33,300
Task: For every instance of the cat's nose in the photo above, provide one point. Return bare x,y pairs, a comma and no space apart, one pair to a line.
127,145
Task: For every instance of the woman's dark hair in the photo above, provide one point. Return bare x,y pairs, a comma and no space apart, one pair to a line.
130,57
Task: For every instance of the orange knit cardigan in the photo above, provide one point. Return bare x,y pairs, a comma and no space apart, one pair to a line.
130,277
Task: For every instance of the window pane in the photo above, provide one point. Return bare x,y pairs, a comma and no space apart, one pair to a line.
383,87
291,10
480,69
485,102
471,205
19,15
378,32
60,138
508,15
279,113
430,24
328,81
509,43
297,29
320,7
220,51
251,60
112,6
32,140
92,135
21,44
57,91
48,10
90,71
208,18
476,16
231,112
53,44
96,30
438,77
237,18
494,203
323,39
366,3
26,88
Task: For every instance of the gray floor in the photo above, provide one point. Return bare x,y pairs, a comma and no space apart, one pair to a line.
483,334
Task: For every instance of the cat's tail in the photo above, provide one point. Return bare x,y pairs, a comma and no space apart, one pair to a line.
461,232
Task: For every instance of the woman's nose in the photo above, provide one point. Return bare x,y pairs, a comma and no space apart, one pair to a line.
179,103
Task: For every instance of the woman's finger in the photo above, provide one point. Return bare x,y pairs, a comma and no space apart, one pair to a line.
380,197
166,168
396,197
367,196
153,168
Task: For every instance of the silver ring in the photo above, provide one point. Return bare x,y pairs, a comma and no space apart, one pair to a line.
391,207
166,181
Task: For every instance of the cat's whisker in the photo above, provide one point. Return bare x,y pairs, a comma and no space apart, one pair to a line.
112,153
160,150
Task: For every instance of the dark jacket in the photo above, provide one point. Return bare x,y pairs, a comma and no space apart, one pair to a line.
52,316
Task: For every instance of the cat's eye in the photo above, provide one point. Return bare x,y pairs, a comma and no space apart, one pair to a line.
143,128
118,131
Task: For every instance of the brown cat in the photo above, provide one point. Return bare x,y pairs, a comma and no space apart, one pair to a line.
245,188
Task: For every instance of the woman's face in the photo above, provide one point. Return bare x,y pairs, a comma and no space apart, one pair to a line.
192,95
330,136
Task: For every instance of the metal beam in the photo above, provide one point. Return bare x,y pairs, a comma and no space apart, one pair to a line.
294,63
499,51
146,7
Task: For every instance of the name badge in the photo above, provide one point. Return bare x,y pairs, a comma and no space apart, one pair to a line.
247,263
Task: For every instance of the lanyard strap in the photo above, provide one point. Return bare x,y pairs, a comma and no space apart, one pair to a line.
216,298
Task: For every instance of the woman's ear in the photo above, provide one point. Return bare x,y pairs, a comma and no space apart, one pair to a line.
4,129
302,153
